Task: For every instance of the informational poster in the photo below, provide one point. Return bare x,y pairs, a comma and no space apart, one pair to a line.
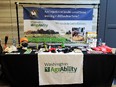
49,24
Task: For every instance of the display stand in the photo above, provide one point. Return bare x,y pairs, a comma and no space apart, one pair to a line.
20,3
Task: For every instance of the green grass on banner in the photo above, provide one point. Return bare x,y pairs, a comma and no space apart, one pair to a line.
46,39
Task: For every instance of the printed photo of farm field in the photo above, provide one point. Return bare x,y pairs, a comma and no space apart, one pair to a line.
49,36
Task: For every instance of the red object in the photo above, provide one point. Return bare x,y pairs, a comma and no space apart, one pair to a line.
51,49
103,48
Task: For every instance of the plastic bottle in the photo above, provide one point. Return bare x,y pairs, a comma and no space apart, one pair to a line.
62,45
100,42
14,41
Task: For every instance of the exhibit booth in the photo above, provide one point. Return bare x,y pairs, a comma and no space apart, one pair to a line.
59,48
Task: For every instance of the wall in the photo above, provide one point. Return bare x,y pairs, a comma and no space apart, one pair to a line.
8,22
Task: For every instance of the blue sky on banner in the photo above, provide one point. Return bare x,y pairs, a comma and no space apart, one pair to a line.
35,13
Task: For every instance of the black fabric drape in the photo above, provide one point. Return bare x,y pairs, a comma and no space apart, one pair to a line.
22,70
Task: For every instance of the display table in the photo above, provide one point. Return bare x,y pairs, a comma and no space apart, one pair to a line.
22,70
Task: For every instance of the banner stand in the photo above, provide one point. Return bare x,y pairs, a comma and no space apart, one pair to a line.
17,15
16,3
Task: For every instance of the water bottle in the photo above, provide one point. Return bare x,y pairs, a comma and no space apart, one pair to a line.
14,42
62,45
100,42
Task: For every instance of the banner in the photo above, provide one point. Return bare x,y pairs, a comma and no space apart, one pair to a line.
60,68
57,24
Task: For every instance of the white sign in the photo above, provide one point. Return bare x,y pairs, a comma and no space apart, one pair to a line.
60,68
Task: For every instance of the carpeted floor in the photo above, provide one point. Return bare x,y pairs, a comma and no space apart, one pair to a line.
4,84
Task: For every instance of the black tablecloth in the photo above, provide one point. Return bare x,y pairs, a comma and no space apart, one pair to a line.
22,70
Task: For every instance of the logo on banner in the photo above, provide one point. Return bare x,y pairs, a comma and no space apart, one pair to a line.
33,13
63,68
